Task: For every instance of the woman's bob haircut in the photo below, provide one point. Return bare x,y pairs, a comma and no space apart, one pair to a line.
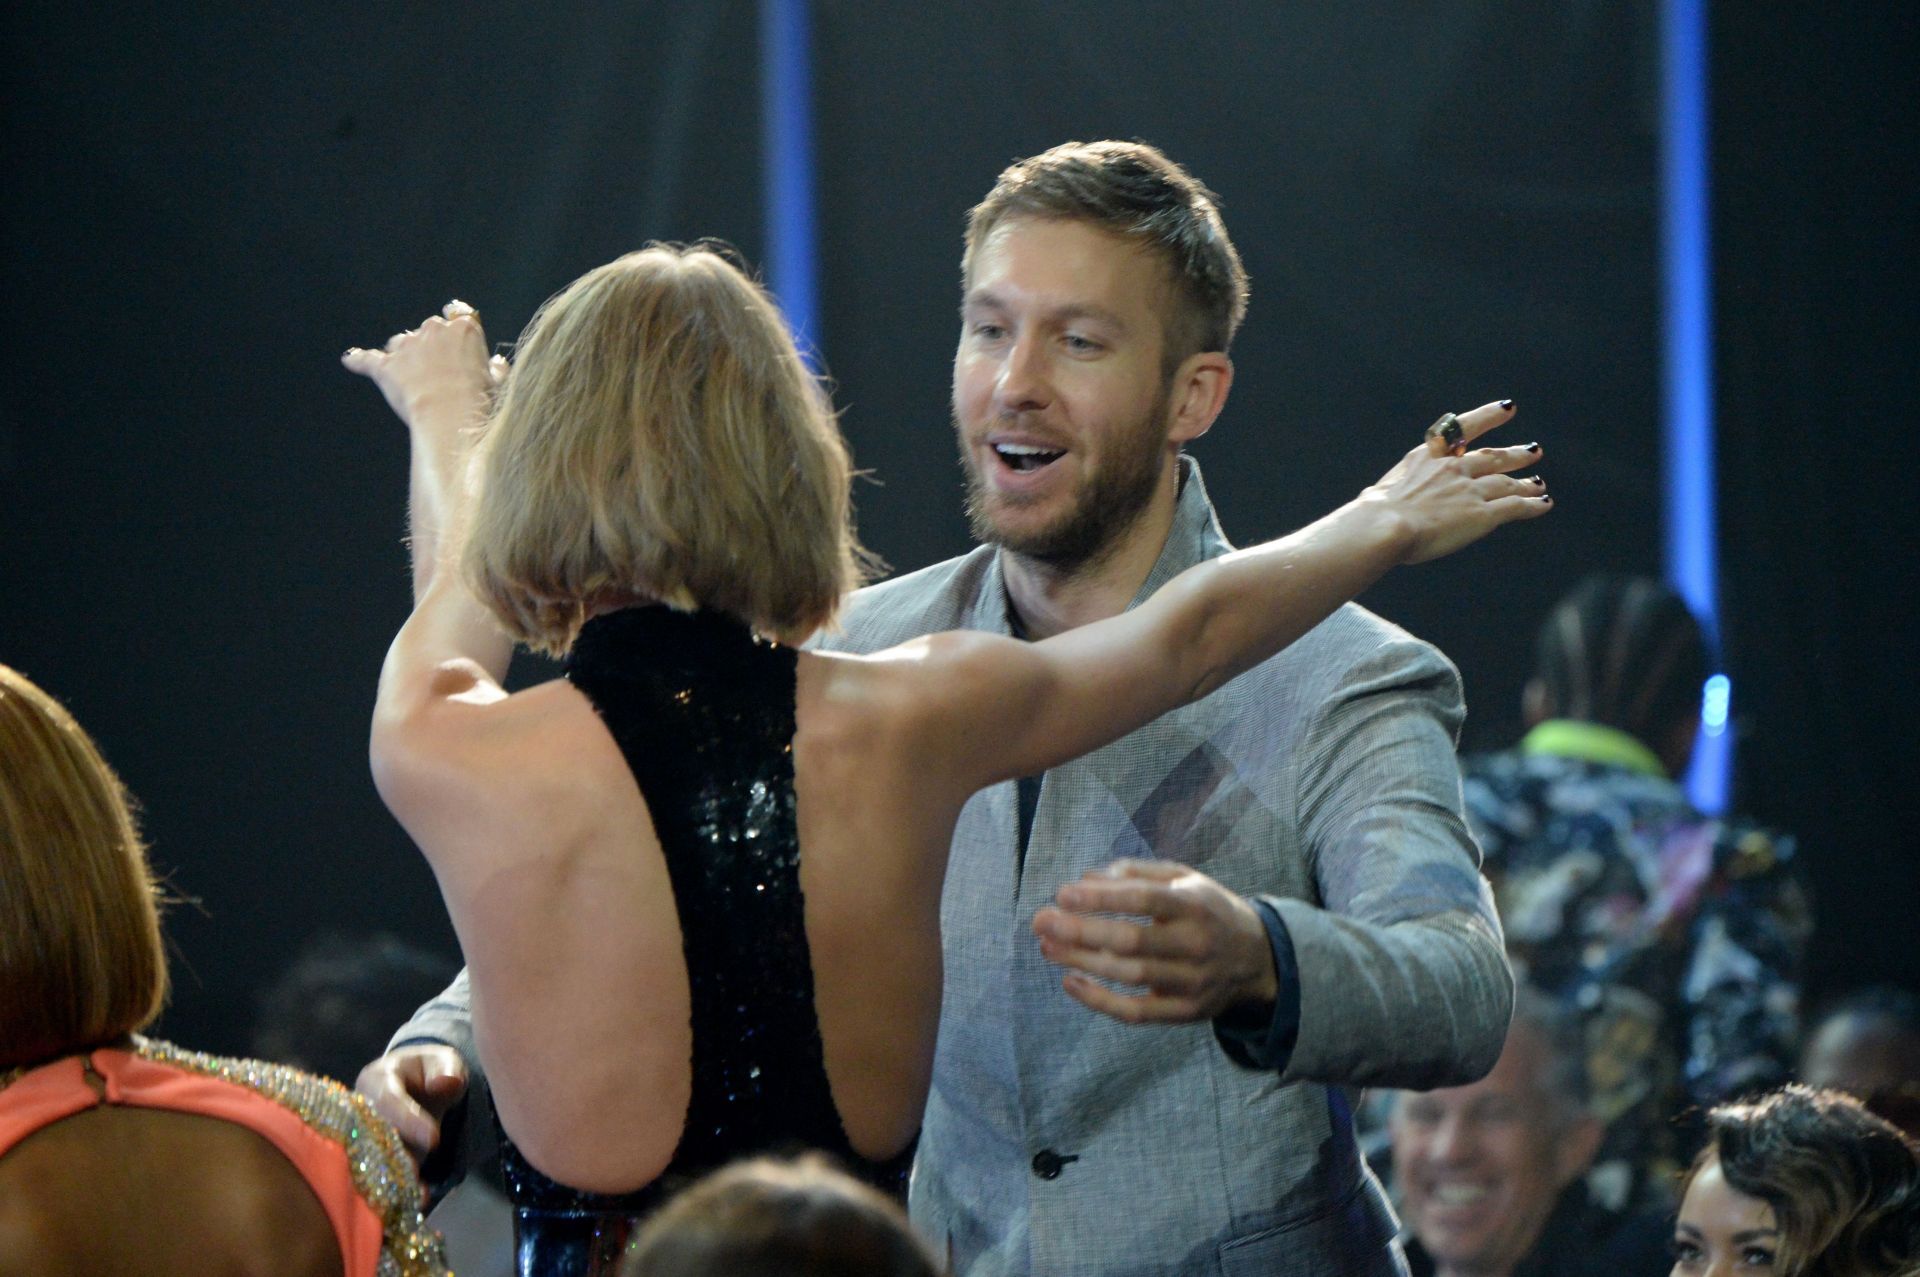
80,957
660,438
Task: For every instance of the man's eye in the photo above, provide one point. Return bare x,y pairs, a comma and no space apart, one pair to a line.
989,332
1076,342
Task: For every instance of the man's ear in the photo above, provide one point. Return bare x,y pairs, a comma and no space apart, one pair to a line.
1533,704
1197,394
1676,744
1575,1149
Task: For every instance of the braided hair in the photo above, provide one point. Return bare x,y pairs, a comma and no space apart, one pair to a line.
1623,651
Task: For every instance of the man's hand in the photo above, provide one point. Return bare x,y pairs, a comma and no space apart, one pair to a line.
1194,948
413,1087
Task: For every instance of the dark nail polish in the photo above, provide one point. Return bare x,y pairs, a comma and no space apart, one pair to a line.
1533,447
1546,499
1506,403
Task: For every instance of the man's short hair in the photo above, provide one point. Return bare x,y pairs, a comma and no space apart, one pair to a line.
1561,1033
329,1012
1131,189
773,1218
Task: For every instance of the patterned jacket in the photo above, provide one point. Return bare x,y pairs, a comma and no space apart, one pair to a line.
1679,937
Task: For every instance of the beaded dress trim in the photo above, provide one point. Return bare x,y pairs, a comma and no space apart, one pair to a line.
377,1161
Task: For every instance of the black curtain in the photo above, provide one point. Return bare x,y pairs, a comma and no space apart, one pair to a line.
200,513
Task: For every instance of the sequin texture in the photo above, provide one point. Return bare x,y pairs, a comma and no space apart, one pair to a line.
704,714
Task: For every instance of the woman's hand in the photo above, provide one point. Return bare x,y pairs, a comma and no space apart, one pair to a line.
436,377
1445,502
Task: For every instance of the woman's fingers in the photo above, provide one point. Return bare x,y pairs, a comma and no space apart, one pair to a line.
364,362
1450,435
1479,420
1483,461
1493,486
1510,509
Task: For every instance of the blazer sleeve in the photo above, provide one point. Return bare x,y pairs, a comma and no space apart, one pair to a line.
447,1018
1402,975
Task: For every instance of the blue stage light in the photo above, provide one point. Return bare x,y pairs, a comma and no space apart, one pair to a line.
1716,702
1692,552
786,143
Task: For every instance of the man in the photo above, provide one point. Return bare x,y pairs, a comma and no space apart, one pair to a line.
1868,1045
1679,936
1299,896
1489,1174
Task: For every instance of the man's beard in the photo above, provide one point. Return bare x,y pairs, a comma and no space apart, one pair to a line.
1105,505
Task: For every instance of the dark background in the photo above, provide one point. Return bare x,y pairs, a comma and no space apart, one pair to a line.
200,514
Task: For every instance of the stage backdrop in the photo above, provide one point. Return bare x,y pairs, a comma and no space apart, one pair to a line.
202,514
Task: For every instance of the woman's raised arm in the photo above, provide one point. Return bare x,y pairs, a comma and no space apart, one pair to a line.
450,656
1015,709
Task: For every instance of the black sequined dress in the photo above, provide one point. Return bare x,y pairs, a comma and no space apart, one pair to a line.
703,712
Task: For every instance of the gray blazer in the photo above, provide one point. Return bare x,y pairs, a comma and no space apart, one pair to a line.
1058,1141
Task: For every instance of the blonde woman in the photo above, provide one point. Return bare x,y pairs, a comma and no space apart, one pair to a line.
121,1154
698,880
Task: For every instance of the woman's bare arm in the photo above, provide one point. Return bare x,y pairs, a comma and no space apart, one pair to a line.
449,658
1007,708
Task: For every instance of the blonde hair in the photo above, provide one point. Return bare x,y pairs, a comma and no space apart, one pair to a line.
80,956
660,437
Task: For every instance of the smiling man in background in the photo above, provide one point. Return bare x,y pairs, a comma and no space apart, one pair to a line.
1490,1174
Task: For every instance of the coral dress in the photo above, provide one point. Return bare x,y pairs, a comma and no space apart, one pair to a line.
353,1161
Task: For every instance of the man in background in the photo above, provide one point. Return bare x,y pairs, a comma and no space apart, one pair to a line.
1679,937
1868,1045
328,1012
1489,1176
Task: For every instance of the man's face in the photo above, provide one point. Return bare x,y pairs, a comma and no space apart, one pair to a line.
1059,395
1479,1166
1863,1054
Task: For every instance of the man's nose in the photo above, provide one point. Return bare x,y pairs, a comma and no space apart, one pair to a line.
1453,1138
1024,383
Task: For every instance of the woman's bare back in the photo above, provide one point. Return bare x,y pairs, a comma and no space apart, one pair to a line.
125,1190
556,879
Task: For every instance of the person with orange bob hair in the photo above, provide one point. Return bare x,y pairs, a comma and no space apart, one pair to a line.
119,1153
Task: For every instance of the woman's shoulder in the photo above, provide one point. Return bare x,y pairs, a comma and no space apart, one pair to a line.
535,752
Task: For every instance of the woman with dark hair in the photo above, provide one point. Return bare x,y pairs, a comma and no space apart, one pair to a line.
1801,1183
697,882
121,1154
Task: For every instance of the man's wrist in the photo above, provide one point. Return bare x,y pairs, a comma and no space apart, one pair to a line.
1261,986
1267,1043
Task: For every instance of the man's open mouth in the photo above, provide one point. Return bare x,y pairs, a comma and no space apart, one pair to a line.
1023,457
